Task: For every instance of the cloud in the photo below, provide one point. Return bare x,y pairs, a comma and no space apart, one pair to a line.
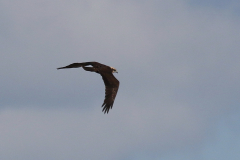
178,70
62,134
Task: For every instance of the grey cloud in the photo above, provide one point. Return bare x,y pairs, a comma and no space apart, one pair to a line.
178,71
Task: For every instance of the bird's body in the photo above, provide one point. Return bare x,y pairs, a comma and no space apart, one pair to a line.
111,83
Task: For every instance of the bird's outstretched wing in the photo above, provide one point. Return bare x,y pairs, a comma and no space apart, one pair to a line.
111,89
77,65
73,65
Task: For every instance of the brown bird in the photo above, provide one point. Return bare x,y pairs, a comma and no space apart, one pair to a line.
111,83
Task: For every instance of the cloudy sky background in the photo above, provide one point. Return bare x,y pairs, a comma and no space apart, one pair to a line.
179,72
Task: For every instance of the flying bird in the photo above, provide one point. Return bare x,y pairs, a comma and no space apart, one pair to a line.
111,83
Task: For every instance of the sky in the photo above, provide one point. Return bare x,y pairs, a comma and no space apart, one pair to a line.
178,67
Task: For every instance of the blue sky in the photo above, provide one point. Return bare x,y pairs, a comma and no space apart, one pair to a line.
179,73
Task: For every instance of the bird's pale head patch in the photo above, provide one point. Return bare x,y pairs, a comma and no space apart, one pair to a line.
114,70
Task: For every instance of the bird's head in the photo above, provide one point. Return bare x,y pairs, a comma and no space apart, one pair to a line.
114,70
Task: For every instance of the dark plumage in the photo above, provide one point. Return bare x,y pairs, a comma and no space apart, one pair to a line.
111,83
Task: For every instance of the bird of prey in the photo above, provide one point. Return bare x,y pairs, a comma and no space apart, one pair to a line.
111,83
